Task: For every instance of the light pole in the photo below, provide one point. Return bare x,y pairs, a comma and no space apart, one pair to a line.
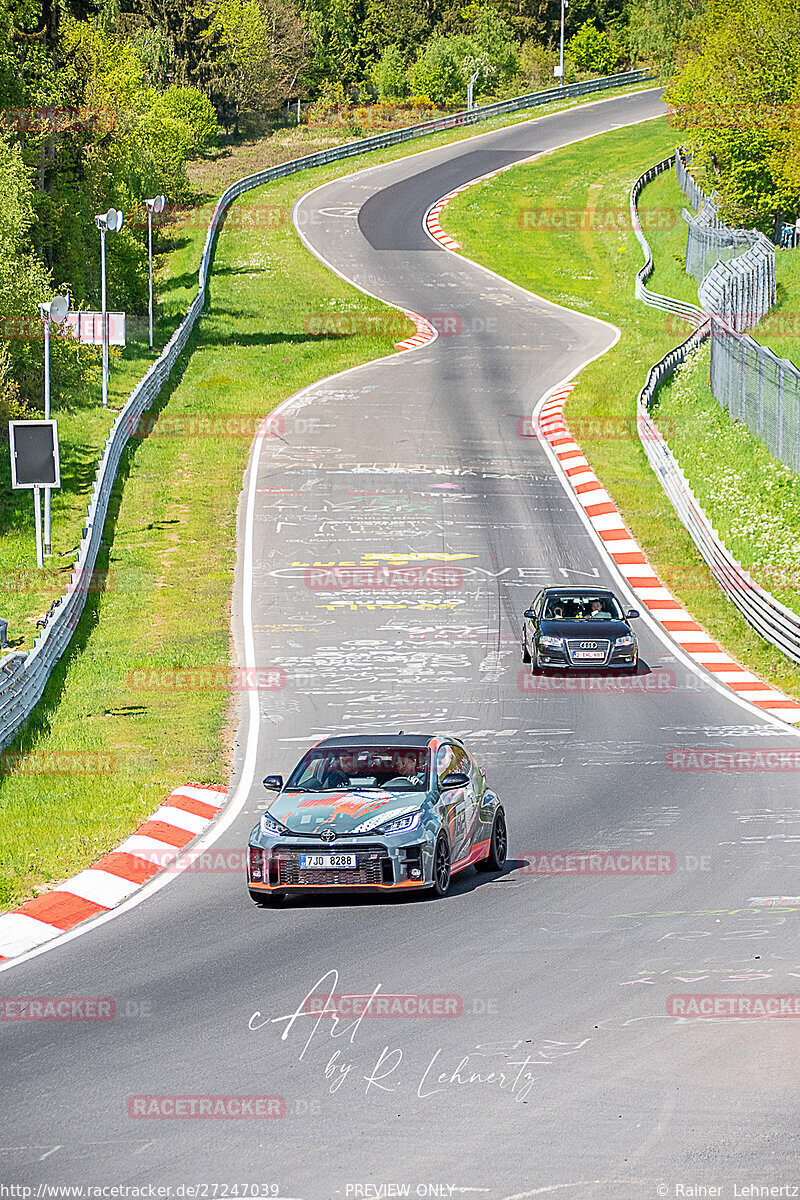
110,222
470,89
56,310
156,205
564,5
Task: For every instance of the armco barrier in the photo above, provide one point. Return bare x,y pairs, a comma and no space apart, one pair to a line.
23,676
771,619
688,312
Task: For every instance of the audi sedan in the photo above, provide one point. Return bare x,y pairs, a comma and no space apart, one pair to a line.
379,813
579,628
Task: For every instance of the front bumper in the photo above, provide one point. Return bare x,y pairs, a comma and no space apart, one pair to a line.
624,658
380,867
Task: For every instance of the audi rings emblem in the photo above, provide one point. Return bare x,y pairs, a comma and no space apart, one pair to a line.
588,645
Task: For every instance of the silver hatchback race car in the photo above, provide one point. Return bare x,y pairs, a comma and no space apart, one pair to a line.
376,812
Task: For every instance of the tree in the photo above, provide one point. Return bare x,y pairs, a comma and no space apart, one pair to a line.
594,50
390,75
494,50
438,71
405,24
183,24
733,97
260,50
657,28
340,46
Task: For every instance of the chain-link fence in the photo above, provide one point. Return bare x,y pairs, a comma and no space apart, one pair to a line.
759,389
690,188
736,269
743,291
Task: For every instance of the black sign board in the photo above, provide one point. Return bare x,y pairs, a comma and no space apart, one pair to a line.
34,454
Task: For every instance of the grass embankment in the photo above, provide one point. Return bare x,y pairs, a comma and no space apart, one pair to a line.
591,268
83,425
170,537
752,499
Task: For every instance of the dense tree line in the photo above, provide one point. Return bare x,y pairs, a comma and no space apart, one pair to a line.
736,95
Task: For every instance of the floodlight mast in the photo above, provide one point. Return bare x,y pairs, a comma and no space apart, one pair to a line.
156,205
56,310
106,222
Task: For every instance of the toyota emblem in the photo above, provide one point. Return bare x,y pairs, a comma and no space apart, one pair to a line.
588,645
328,835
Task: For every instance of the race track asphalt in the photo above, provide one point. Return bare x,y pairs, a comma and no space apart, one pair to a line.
562,1071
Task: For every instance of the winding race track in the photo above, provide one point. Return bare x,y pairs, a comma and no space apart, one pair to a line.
557,1067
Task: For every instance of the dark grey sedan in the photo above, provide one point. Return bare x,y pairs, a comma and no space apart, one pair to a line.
568,629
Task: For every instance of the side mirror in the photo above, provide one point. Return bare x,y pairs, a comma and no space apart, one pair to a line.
631,613
273,783
455,779
529,612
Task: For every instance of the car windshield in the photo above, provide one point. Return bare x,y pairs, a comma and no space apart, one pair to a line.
571,606
395,768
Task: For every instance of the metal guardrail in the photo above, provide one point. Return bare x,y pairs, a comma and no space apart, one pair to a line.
770,619
23,676
679,308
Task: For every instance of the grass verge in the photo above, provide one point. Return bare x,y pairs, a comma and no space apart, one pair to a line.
591,268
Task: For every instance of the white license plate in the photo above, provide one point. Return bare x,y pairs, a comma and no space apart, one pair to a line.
589,654
327,862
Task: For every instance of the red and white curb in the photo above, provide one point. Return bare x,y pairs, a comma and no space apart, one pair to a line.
643,581
425,332
431,220
187,812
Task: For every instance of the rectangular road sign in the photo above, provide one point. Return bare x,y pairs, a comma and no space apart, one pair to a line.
34,454
87,328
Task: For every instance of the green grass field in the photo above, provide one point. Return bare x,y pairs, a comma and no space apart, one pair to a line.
169,542
596,262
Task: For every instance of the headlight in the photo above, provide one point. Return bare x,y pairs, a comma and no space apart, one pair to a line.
269,826
401,824
625,640
554,642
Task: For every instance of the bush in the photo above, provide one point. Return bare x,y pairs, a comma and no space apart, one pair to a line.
594,51
536,64
390,75
439,71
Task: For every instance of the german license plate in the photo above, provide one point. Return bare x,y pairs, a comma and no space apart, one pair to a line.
327,862
589,654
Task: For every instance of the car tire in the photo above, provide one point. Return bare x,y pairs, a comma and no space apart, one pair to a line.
441,868
526,654
266,899
498,846
534,661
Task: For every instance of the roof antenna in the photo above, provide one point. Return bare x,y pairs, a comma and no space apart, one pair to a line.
400,734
